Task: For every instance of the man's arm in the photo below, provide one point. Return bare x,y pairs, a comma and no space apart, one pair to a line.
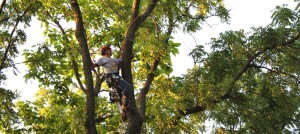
94,64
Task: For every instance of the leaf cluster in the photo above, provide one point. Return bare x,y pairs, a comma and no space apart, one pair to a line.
59,107
9,117
15,16
250,80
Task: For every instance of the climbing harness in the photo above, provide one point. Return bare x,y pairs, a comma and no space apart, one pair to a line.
120,88
116,94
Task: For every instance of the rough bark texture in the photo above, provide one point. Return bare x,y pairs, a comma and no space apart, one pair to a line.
90,96
135,120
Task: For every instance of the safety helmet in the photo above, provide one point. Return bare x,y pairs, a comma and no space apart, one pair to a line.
103,49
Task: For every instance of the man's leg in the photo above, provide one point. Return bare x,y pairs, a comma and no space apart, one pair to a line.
126,87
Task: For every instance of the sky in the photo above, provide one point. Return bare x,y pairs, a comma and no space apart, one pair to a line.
244,14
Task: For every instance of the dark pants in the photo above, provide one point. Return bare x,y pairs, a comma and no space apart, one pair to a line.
120,85
124,86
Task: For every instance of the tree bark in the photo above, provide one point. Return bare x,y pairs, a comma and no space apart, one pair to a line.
86,59
146,88
135,120
150,76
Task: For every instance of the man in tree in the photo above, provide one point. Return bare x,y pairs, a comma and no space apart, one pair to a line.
111,68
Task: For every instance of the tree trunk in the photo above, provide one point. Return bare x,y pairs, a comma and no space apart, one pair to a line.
86,59
135,120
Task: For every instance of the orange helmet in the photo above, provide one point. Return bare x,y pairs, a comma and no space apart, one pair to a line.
103,49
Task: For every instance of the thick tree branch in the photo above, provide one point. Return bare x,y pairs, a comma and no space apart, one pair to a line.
249,65
134,119
90,96
81,38
149,10
200,108
245,67
250,60
150,76
146,87
192,110
130,36
228,95
135,9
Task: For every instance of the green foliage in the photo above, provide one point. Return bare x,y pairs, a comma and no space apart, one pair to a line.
49,67
53,113
248,83
59,106
198,53
9,117
250,80
284,16
14,18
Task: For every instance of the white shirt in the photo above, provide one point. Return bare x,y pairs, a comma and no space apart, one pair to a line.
110,65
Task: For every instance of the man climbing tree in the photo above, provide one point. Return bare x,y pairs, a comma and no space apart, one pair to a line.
120,87
99,23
